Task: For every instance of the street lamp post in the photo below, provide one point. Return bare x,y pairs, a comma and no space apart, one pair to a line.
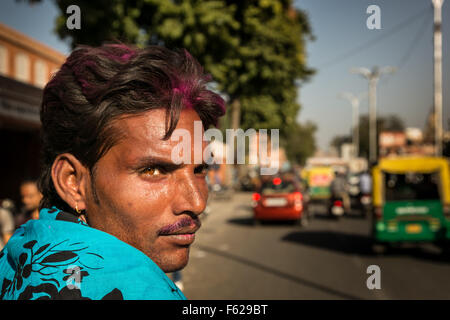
437,4
354,101
372,76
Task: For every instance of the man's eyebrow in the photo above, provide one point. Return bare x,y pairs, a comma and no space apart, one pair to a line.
149,161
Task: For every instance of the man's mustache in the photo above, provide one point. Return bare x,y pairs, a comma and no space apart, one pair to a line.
191,225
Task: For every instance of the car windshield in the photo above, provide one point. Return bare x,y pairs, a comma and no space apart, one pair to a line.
282,186
411,186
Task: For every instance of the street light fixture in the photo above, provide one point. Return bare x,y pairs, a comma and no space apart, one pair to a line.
437,35
354,101
373,76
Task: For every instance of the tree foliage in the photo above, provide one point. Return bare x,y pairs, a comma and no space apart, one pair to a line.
254,49
384,123
301,142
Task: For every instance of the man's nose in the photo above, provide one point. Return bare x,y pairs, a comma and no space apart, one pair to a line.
190,195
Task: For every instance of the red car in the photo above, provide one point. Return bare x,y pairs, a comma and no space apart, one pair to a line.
279,199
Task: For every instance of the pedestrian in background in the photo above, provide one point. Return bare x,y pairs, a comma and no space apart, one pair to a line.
6,222
339,189
365,183
31,197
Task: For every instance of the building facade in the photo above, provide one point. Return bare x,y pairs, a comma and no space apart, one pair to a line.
25,68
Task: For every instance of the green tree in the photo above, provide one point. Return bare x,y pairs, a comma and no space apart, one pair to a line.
255,50
300,144
338,141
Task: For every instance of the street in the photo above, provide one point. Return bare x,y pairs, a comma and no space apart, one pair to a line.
233,259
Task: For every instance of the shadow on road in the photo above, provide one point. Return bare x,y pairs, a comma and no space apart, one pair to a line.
353,215
277,273
331,240
244,221
248,221
360,245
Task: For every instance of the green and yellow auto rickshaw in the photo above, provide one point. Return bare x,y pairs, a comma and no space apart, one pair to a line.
411,201
319,181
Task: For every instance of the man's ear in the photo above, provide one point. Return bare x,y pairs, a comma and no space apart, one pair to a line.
70,179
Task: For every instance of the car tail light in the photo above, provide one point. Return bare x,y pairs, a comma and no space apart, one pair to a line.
337,203
276,181
255,199
298,196
378,212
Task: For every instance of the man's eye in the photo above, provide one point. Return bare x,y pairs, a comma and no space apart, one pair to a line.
151,172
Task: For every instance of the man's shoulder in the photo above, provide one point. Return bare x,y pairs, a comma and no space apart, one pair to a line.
59,260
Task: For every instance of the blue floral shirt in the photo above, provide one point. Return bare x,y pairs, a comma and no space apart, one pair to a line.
60,257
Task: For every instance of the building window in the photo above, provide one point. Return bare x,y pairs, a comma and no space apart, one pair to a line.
22,67
3,60
40,74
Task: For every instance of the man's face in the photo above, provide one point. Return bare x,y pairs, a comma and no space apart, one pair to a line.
144,199
30,196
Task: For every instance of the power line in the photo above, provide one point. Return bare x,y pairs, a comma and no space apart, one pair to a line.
372,42
404,59
414,43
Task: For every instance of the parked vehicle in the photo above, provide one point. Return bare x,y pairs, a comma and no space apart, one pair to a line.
280,199
249,179
218,191
411,201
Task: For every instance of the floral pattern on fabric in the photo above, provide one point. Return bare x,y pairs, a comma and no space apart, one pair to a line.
46,261
60,257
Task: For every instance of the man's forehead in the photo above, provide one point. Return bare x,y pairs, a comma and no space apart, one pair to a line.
152,124
143,134
29,187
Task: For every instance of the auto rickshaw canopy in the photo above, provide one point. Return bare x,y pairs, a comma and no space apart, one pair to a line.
404,165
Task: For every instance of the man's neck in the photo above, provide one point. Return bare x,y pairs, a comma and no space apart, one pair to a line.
35,214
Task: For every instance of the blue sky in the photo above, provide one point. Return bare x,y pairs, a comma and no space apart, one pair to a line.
340,28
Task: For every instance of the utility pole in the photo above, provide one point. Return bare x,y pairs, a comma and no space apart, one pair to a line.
437,4
372,76
354,101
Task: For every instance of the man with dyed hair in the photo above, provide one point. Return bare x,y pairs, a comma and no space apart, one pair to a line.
117,213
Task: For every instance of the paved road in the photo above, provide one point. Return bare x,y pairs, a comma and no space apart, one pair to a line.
232,259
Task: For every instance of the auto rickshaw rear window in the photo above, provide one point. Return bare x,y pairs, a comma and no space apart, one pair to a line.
411,186
268,188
